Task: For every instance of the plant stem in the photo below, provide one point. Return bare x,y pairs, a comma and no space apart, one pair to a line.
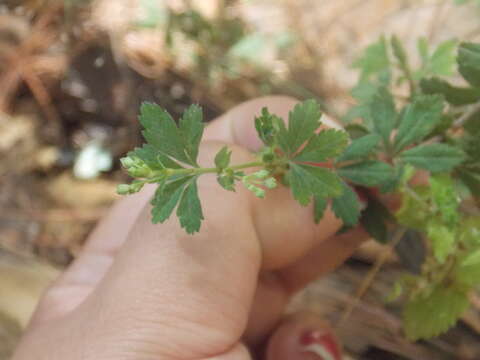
367,281
200,171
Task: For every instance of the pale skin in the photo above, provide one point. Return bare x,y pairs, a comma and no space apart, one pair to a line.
149,292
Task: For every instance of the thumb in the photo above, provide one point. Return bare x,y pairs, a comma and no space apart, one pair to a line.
303,336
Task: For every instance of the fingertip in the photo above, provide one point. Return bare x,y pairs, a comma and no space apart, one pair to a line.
303,336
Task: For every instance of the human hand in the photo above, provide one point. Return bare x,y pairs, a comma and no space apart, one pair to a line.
144,291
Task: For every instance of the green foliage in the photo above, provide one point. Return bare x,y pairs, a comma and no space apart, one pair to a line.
360,148
418,120
430,315
347,206
367,173
222,159
469,63
389,141
383,113
434,157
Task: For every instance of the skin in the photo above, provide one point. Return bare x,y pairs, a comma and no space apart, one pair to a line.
143,291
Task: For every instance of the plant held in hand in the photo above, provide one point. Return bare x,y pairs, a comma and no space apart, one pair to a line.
386,140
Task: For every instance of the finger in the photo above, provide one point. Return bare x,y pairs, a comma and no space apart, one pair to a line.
303,337
322,259
109,235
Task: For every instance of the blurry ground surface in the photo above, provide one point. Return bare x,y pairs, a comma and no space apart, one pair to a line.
71,80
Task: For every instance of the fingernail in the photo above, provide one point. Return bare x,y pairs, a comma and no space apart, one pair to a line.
321,345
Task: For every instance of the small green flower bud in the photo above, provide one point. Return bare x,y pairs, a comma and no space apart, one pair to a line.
270,183
127,162
262,174
142,171
259,192
123,189
136,186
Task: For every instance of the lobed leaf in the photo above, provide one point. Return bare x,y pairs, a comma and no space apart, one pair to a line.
418,120
360,148
430,315
319,206
191,129
189,210
311,181
347,206
469,62
166,199
434,157
222,159
304,119
367,173
383,113
323,146
455,95
161,132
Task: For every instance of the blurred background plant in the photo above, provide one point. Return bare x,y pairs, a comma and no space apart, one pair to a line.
73,72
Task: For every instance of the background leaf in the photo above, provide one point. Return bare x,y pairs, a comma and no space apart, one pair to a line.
367,173
453,94
360,148
324,145
308,181
428,316
347,206
469,62
434,157
383,113
418,120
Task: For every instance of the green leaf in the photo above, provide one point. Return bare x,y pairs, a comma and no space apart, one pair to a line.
418,120
472,259
319,206
360,148
469,62
222,159
227,181
430,315
267,126
324,145
442,61
374,60
383,113
304,119
347,206
442,239
414,210
154,158
453,94
467,274
367,173
374,220
308,181
189,210
434,157
445,198
191,128
161,132
166,199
